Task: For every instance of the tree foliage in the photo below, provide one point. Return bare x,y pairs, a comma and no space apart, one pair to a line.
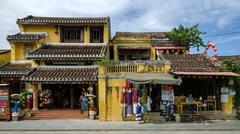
187,36
230,65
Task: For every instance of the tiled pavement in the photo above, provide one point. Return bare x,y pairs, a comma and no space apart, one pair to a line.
95,125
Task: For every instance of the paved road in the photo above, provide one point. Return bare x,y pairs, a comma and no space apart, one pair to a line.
116,127
122,132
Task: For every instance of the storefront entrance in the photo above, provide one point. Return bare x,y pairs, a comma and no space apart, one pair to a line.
64,95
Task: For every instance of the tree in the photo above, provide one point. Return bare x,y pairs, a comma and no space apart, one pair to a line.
230,65
187,36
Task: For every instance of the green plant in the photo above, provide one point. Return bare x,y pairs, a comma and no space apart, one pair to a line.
230,65
28,112
106,62
187,36
23,98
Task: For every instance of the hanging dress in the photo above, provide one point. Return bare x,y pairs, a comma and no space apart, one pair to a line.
124,103
135,100
129,102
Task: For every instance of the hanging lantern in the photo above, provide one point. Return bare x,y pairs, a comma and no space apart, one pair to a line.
231,82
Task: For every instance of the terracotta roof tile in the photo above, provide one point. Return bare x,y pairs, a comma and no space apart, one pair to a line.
26,37
190,63
69,51
141,34
36,20
63,74
15,69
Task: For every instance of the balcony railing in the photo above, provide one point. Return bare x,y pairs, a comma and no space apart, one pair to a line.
137,66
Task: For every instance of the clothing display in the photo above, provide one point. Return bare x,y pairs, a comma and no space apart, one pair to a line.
124,109
135,96
124,97
134,108
144,95
140,110
149,102
129,97
129,110
131,102
84,104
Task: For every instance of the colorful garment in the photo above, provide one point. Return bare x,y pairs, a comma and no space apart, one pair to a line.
144,95
129,97
140,110
149,102
129,110
134,108
124,110
84,104
135,96
124,97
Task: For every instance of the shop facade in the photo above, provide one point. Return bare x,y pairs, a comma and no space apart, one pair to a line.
66,56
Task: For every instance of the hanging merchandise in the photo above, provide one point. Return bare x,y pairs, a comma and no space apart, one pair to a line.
144,95
128,85
135,100
124,102
129,102
139,112
149,102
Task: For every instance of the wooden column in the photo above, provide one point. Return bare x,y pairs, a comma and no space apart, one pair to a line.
71,98
35,97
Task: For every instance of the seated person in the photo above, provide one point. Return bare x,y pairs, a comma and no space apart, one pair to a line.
189,98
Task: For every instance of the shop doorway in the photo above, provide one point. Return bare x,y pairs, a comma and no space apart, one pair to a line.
65,96
155,93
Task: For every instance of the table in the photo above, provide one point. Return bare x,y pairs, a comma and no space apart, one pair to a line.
188,103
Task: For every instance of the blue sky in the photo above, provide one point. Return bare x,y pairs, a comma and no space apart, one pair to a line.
219,18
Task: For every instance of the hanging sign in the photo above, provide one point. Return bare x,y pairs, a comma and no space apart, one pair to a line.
224,98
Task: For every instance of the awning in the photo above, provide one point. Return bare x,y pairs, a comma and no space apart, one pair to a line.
135,47
154,78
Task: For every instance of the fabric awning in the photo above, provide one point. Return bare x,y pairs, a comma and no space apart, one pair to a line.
154,78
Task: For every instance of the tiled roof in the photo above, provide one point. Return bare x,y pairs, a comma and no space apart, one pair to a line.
230,57
141,34
26,37
4,51
63,74
190,63
69,51
35,20
15,69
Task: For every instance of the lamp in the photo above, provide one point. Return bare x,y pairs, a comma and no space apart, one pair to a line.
231,82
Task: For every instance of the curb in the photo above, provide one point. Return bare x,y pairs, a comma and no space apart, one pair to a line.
92,130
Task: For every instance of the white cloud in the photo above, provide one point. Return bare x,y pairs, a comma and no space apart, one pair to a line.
126,15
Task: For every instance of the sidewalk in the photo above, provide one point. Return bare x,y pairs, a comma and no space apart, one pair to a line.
95,125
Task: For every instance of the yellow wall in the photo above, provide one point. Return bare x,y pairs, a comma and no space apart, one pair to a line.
50,29
17,50
55,38
5,57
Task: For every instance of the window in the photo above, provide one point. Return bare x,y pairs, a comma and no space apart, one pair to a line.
27,48
72,34
132,54
96,35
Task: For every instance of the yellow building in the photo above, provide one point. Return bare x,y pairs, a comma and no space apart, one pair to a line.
70,56
5,56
